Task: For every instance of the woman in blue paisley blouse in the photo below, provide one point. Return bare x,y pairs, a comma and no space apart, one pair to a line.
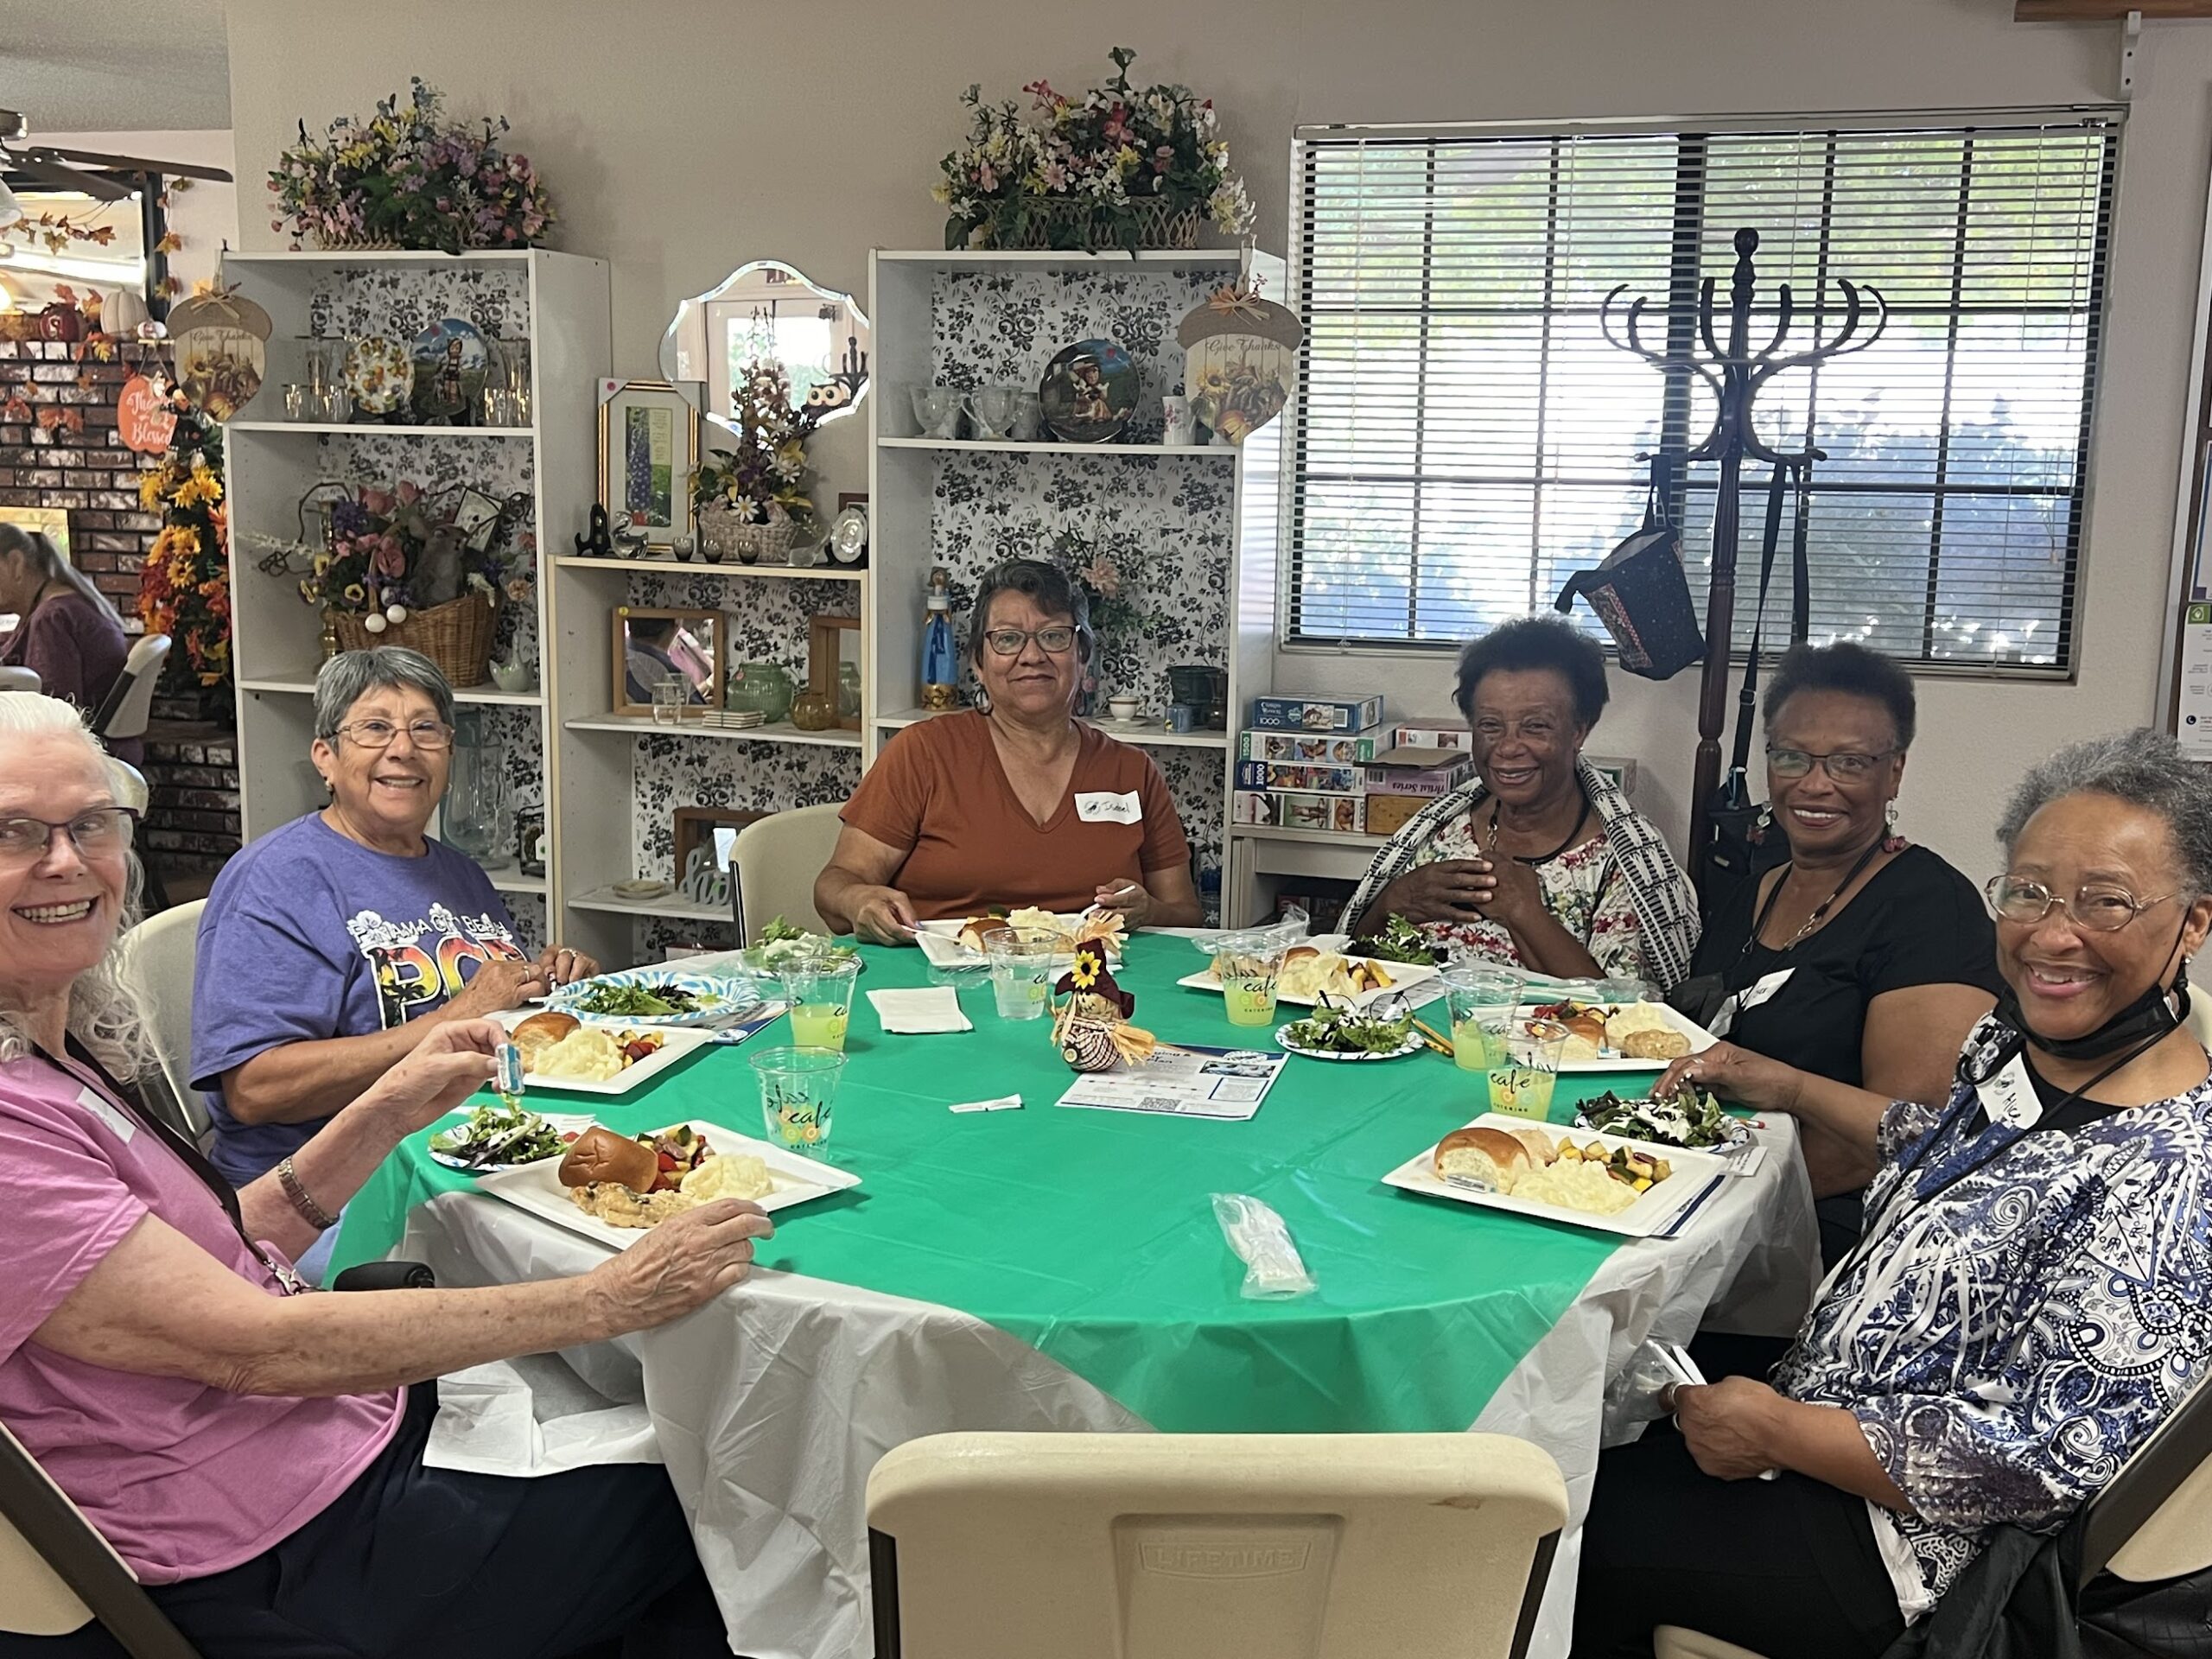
2033,1294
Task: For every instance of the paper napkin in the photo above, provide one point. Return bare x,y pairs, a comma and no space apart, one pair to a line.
911,1013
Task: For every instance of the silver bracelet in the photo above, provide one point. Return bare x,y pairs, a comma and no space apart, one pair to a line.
310,1212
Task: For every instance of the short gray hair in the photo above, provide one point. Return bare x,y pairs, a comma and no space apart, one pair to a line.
352,675
2143,768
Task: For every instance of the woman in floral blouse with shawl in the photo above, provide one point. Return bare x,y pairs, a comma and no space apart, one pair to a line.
2033,1295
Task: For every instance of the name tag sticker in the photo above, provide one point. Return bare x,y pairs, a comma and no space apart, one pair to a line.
99,1106
1749,997
1104,806
2009,1097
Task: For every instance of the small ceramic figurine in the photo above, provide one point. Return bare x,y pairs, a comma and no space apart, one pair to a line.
596,544
516,676
940,658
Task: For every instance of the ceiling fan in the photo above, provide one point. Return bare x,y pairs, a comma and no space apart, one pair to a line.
85,171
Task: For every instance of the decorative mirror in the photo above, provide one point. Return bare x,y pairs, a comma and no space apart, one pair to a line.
667,663
768,310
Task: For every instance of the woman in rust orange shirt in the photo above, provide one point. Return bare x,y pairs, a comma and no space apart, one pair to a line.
1023,805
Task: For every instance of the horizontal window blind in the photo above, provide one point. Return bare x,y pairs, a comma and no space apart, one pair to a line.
1465,438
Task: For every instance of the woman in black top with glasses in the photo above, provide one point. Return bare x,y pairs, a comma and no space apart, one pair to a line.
1849,977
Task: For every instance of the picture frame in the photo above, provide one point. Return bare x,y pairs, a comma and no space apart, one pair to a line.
688,644
715,826
52,523
648,449
831,642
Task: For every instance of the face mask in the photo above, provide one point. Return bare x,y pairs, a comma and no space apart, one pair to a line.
2145,1019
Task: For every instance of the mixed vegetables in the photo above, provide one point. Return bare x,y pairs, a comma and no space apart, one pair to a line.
498,1134
1340,1030
1397,940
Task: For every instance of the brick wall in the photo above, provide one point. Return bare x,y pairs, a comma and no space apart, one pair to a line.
191,766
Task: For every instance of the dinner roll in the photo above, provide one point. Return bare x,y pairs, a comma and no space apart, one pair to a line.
600,1154
540,1032
1490,1157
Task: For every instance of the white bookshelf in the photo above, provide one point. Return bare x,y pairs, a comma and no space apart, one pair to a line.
905,469
273,463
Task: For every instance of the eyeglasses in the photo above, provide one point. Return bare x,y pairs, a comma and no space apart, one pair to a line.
2096,906
1844,765
1010,642
101,830
428,735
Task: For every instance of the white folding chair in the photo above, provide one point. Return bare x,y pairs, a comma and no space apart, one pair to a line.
57,1573
2152,1522
130,702
777,858
16,677
158,962
1194,1545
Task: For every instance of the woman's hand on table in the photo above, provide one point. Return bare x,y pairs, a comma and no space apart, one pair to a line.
1730,1425
1131,899
881,915
680,1264
452,1062
561,966
498,985
1446,891
1737,1074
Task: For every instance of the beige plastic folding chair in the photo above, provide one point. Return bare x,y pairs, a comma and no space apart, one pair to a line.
778,858
1197,1545
2153,1521
159,956
57,1573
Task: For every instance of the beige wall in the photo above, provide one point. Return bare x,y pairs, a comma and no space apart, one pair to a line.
205,216
686,138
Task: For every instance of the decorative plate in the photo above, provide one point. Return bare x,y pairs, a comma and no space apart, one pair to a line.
717,999
1090,391
848,542
450,361
1411,1046
379,374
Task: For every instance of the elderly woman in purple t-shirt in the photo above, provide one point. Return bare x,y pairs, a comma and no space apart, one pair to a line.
255,1455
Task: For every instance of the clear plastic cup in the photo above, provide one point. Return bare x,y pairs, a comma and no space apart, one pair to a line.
1025,960
799,1087
1476,992
820,992
1525,1071
1250,967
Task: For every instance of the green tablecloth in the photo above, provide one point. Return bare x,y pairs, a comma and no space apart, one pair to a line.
1090,1236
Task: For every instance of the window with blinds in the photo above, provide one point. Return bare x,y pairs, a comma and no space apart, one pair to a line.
1466,438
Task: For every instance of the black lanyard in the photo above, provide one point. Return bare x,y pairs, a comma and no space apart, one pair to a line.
1758,923
288,1281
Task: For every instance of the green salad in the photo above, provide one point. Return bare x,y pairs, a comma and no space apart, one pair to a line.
637,1001
1397,940
781,940
1340,1030
498,1134
1687,1119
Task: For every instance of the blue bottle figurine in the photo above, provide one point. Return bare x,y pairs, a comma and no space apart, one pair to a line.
940,659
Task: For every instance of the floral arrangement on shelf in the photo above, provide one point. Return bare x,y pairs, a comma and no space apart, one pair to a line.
765,477
184,587
1114,167
407,178
389,553
1108,577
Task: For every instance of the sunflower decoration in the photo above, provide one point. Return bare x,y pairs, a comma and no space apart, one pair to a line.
1091,1015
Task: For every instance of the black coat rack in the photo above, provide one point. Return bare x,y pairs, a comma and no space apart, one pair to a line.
1737,375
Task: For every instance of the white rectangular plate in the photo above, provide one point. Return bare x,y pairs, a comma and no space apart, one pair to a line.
537,1187
1700,1039
676,1042
940,942
1694,1172
1420,984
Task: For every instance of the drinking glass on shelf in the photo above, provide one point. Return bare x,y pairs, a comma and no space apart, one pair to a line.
819,990
513,377
671,692
1249,966
937,410
1025,960
296,401
799,1088
991,408
1028,423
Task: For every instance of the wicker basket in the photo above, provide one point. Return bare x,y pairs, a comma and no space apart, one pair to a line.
1159,225
763,543
456,636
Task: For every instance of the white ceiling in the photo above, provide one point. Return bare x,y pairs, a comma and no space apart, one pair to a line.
116,65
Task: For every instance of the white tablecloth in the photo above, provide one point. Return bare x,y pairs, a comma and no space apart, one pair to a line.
773,1403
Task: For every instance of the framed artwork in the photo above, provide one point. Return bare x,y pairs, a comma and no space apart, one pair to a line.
648,449
710,826
833,664
655,648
